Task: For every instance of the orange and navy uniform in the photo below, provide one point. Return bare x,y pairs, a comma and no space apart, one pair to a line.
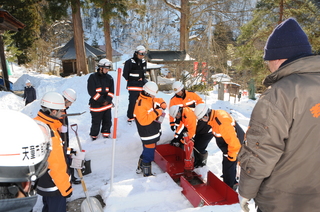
56,180
101,90
190,100
146,114
188,121
223,128
134,72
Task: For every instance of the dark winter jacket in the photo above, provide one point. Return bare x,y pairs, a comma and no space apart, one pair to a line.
101,90
146,113
29,94
280,159
134,72
56,181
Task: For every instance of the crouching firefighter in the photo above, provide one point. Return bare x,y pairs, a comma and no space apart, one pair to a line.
184,135
148,113
229,136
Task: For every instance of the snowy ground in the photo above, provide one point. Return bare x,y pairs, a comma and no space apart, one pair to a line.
130,192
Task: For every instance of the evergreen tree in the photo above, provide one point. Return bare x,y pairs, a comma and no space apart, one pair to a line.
266,16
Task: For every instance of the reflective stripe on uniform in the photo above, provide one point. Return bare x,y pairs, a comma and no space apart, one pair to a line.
135,88
150,137
51,189
100,109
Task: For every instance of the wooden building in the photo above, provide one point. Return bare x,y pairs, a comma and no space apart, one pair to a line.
7,23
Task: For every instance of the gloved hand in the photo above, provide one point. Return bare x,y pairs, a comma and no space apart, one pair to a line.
63,129
163,105
175,142
232,159
244,204
69,195
173,128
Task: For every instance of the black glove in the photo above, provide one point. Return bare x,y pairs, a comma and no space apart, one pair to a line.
175,142
173,128
69,195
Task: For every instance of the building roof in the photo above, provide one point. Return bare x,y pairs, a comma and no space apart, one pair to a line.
162,56
114,52
8,22
68,52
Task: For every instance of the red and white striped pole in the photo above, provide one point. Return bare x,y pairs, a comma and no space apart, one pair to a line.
115,125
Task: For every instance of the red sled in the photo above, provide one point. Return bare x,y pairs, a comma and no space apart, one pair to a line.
199,193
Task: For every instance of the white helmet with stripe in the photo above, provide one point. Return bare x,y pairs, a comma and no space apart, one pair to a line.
53,100
173,110
151,88
23,153
201,110
177,86
70,94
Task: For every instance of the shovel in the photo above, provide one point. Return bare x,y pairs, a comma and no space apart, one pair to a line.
90,204
87,163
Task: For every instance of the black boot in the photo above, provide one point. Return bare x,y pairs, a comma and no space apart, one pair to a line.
74,180
201,160
146,168
139,167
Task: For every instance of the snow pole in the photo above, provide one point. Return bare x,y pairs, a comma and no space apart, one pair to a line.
115,124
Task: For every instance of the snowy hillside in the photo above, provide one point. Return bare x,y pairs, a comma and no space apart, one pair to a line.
131,192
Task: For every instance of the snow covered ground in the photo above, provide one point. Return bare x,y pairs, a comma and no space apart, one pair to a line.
130,191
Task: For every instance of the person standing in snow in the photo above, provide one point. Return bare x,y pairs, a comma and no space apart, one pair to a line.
147,112
54,186
101,90
229,136
29,94
70,97
134,72
280,156
23,159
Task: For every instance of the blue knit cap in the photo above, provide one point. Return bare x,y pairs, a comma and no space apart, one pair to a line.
286,41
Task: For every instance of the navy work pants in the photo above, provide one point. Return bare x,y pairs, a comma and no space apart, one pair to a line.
133,96
98,118
54,203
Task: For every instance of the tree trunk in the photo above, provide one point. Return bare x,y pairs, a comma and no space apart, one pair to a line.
184,25
107,37
81,63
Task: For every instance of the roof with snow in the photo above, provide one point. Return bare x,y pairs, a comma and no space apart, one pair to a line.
68,52
162,56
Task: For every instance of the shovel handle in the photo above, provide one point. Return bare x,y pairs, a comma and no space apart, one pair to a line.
85,190
74,127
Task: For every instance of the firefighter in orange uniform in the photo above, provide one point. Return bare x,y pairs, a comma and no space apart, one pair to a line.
182,98
229,136
54,186
148,111
101,90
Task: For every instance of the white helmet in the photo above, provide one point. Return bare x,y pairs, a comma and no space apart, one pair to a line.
177,86
201,110
105,63
53,100
140,48
70,94
151,88
23,155
173,111
27,81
